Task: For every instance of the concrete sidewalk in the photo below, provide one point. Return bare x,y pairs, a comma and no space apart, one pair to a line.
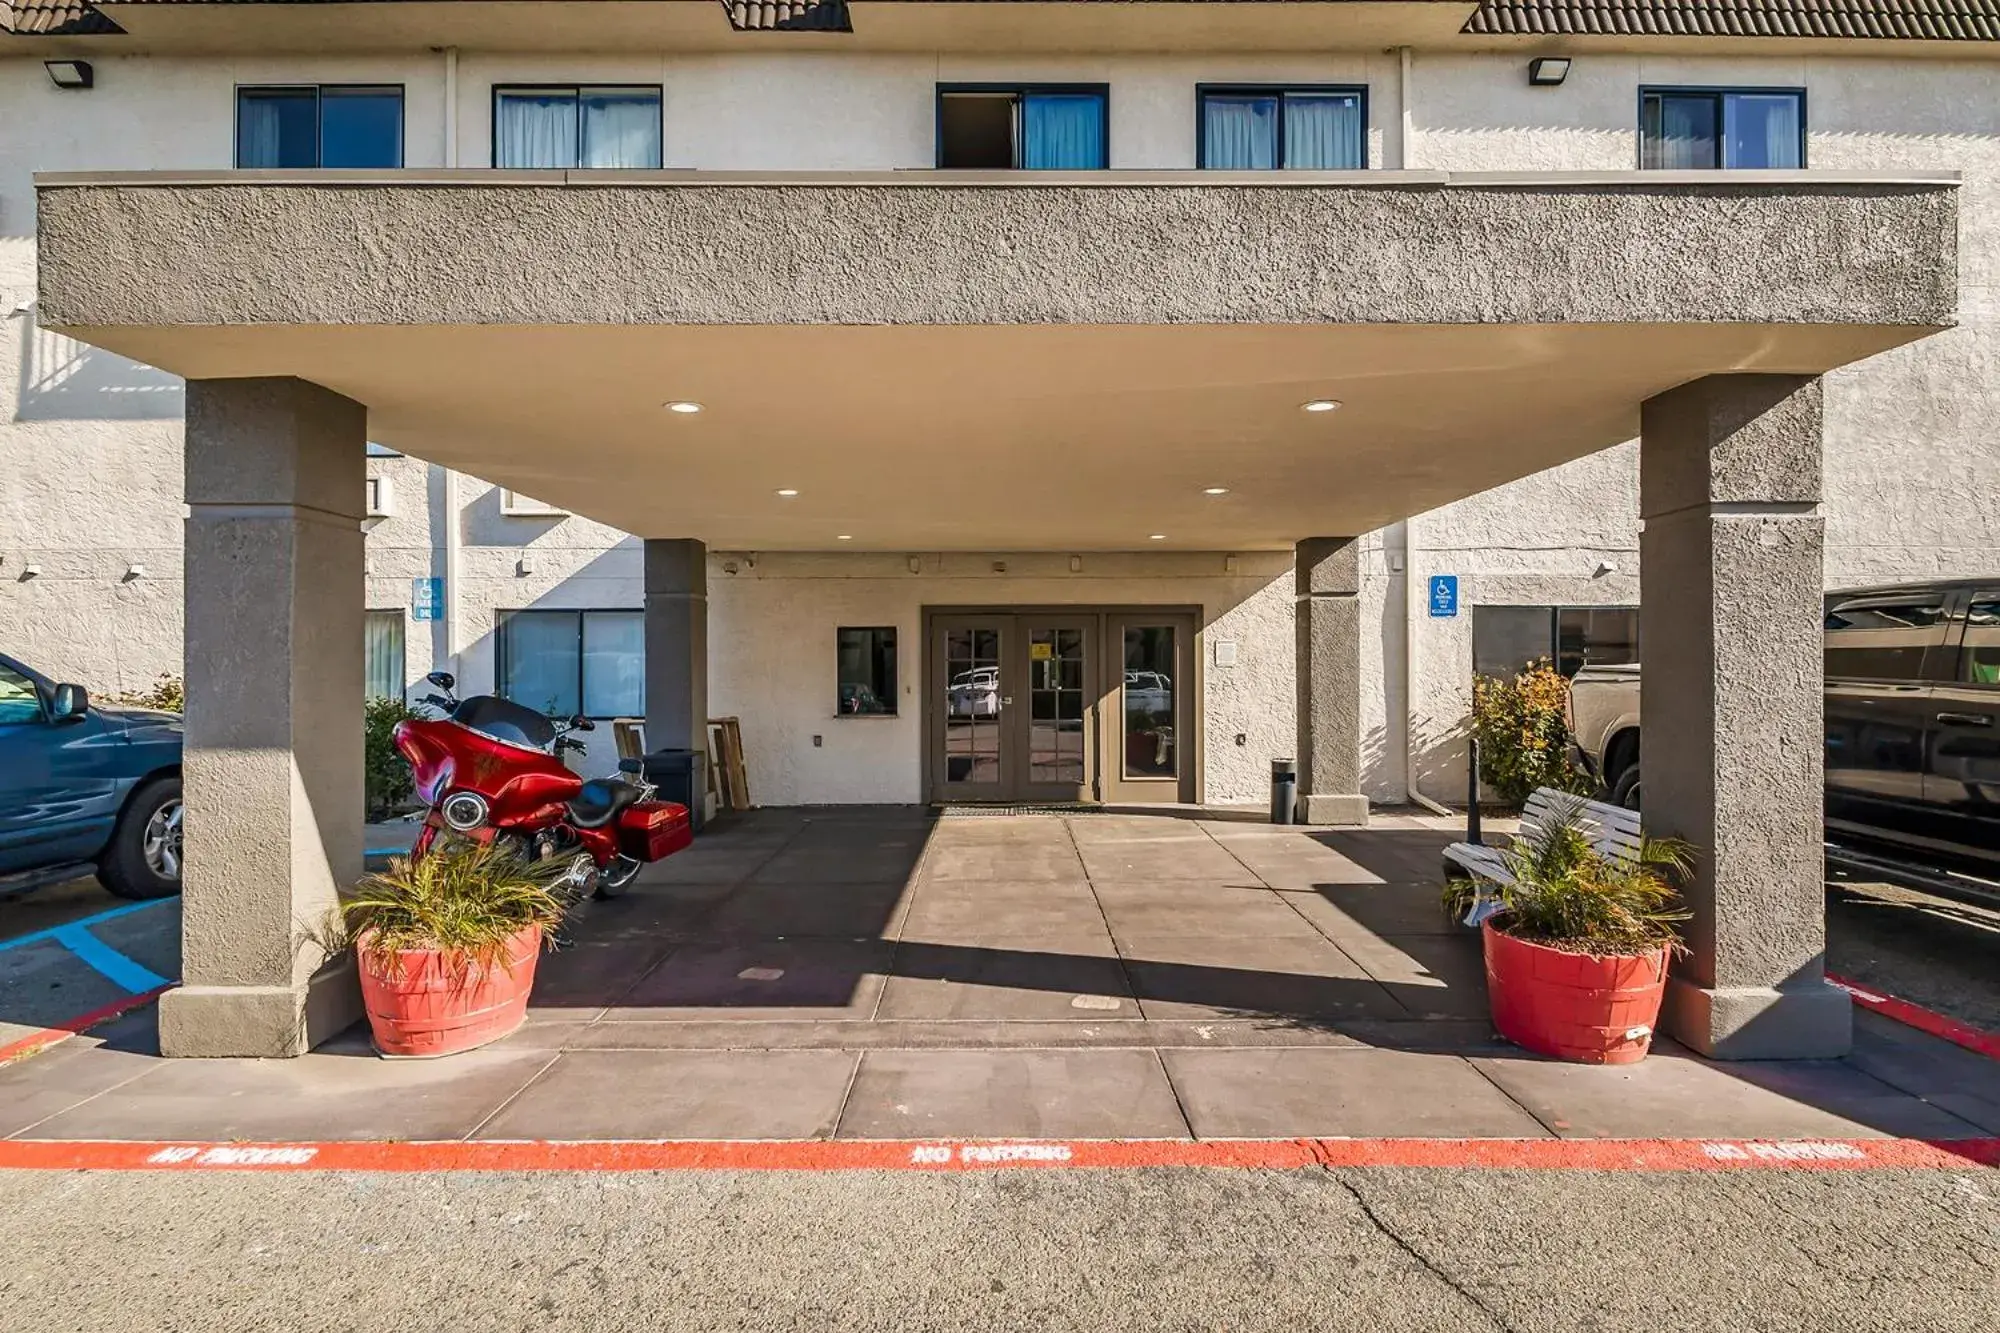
885,975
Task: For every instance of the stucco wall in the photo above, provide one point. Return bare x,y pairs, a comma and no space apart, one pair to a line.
90,444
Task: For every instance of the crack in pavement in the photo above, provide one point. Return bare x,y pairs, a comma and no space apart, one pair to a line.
1395,1238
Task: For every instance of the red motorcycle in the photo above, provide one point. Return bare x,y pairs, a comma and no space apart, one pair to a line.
493,770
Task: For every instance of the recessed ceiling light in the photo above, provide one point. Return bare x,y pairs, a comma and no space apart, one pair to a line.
787,492
1320,405
844,537
1215,490
684,407
1157,537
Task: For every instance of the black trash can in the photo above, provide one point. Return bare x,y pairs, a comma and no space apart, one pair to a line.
1284,791
679,775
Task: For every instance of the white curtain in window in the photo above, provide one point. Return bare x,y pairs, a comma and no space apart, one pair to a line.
1763,131
621,128
385,654
1239,133
1324,133
258,131
538,661
614,663
535,129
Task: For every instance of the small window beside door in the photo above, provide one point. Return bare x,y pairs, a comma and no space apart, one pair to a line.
319,125
1507,640
384,638
1701,129
1295,129
1056,127
867,671
576,126
1883,637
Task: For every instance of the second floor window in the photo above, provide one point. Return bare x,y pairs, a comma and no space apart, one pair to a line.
1059,127
576,127
1696,129
1301,129
319,126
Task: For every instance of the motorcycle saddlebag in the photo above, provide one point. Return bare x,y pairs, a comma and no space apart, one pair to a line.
653,829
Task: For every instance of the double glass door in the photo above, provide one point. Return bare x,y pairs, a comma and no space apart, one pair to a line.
1060,706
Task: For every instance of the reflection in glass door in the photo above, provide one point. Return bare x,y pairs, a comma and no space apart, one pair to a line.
1152,755
1062,690
973,707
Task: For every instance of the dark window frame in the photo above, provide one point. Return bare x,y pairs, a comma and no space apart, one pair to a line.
659,91
1719,92
1203,91
500,665
1102,91
319,91
1553,657
894,649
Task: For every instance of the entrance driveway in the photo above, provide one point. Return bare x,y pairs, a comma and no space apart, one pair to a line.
883,973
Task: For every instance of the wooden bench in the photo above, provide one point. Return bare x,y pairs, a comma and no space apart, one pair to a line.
1612,830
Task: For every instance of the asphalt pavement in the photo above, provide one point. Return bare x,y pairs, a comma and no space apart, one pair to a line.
1935,952
1167,1249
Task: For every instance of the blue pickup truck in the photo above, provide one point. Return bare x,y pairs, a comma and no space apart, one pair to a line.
86,789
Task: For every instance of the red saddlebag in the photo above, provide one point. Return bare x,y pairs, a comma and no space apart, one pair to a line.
651,830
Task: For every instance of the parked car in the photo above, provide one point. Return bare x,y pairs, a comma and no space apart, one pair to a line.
1912,720
974,693
86,789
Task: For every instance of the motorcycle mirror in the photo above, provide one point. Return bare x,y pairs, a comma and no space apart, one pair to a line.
444,680
578,722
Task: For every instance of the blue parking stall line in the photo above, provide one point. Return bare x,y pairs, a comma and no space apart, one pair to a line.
106,961
54,932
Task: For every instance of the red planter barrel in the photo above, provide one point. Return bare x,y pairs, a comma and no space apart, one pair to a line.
1598,1011
424,1003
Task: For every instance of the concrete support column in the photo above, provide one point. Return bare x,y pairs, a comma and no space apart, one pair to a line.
1328,572
676,644
1731,624
273,761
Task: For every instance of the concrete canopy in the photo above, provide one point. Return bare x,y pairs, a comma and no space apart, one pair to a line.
946,361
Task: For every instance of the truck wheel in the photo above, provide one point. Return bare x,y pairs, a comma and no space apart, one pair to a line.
1626,791
143,858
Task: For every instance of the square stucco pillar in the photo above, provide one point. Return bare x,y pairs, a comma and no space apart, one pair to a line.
676,644
1731,622
273,750
1328,573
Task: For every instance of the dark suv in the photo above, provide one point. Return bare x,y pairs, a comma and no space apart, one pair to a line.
1913,719
85,788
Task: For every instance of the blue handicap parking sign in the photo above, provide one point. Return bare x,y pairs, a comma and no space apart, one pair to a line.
427,599
1444,596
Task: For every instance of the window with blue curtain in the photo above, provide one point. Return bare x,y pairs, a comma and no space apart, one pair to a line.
1700,129
576,127
564,662
319,126
1298,129
1037,128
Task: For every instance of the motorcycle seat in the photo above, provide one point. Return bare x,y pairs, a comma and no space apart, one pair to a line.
600,800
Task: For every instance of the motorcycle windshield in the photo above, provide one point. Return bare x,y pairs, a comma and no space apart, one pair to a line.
504,720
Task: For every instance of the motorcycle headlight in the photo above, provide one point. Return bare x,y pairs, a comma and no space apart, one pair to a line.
464,810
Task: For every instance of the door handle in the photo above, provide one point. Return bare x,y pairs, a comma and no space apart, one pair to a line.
1967,719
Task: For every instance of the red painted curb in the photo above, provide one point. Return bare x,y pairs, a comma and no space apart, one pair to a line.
822,1155
1924,1020
36,1042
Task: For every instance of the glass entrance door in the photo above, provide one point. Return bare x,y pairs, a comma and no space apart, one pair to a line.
1013,701
969,702
1149,705
1057,744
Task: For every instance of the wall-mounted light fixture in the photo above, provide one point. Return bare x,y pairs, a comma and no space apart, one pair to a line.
31,570
70,73
916,564
135,570
1076,564
1548,71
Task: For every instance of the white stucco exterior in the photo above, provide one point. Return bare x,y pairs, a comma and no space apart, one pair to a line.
89,443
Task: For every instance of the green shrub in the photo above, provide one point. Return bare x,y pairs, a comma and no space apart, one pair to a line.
1568,895
1523,735
465,899
388,777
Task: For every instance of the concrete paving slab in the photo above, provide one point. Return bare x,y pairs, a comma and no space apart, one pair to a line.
649,912
758,979
827,865
956,916
1286,859
987,1035
1433,976
826,909
1671,1094
81,1068
1163,908
680,1095
1394,856
584,979
1160,857
1011,1094
339,1092
1348,911
1959,1081
1288,979
1009,861
1357,1093
1001,978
